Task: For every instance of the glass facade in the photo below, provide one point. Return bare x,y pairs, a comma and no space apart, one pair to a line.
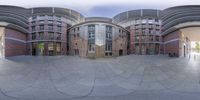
91,38
108,45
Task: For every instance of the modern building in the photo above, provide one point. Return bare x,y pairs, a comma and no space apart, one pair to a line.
145,30
98,37
46,31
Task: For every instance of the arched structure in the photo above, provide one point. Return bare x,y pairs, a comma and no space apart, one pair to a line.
175,21
98,37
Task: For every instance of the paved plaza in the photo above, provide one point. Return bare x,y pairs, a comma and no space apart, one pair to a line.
133,77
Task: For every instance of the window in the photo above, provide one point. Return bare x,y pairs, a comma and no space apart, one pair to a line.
108,29
138,21
59,28
108,46
33,36
137,26
150,20
50,48
91,30
41,35
59,23
41,22
144,21
50,27
33,23
143,38
50,17
41,27
151,38
41,17
58,48
33,28
108,35
157,32
34,17
143,26
91,47
156,20
58,36
137,38
58,17
157,39
150,31
50,22
91,35
143,31
108,32
51,35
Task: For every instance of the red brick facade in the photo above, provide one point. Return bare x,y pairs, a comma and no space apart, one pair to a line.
15,43
171,43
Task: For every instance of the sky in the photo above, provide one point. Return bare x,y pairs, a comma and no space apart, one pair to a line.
101,8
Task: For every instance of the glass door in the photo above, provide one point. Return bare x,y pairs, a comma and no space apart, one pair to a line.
40,49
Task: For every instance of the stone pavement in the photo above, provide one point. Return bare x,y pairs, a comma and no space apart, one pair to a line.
133,77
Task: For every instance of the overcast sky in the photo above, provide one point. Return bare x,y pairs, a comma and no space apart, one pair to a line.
105,8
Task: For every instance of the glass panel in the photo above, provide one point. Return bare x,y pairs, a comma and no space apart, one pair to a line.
58,48
40,49
51,35
33,36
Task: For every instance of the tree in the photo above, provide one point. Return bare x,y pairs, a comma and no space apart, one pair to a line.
197,47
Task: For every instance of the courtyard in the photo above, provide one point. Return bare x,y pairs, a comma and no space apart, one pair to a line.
132,77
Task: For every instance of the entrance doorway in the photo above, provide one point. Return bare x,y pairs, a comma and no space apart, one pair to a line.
190,37
40,49
120,52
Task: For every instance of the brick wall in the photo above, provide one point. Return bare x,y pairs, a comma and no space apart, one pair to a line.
171,42
12,46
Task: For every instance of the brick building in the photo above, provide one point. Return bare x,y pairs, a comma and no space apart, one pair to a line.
47,31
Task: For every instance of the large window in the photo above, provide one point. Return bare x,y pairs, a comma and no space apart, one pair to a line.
50,17
51,48
58,48
108,45
91,38
33,36
41,17
41,22
58,17
59,28
91,32
50,22
91,47
41,35
34,17
91,35
50,27
137,38
150,20
108,32
33,28
51,35
58,37
41,27
144,21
